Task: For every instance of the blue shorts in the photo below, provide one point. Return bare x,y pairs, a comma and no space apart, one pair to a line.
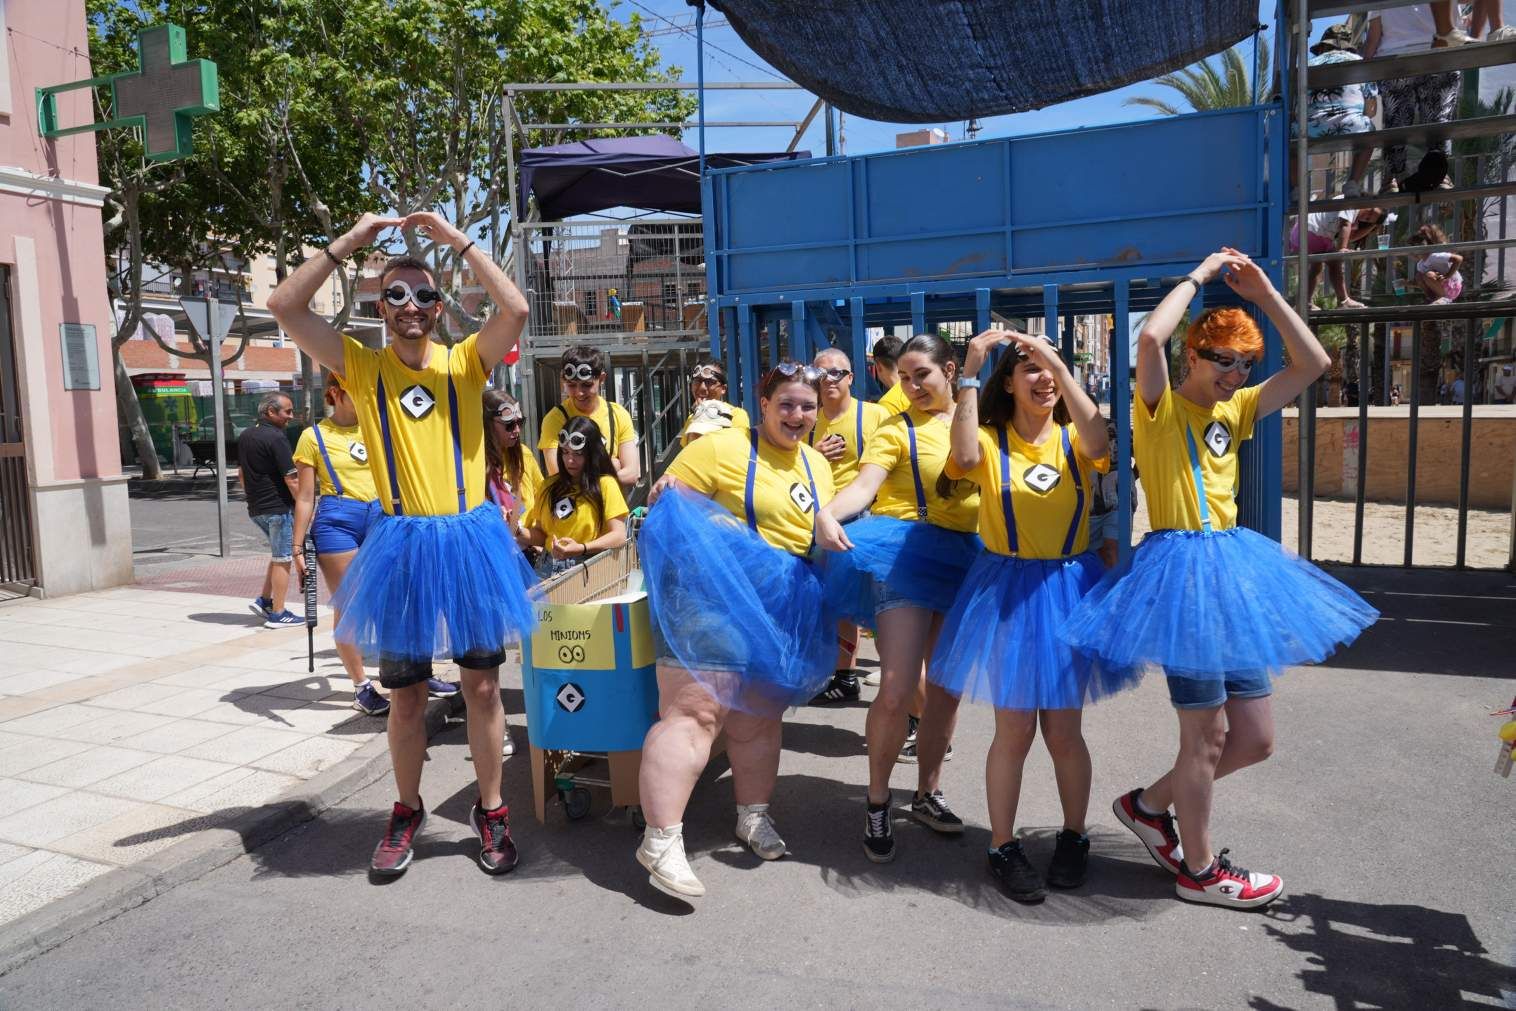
1105,527
342,523
280,530
886,599
1208,693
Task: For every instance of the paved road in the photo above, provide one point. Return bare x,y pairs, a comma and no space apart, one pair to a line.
176,523
1380,809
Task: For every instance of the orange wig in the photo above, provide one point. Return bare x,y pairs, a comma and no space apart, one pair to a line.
1227,328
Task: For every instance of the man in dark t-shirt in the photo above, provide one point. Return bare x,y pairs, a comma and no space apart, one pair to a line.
267,472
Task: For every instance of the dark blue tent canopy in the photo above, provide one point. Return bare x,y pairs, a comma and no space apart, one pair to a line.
655,173
925,61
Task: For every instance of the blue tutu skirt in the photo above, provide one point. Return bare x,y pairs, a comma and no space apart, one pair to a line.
922,563
432,587
999,643
1203,605
747,620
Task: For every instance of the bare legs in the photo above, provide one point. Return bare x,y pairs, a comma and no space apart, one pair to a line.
486,730
407,737
905,640
678,747
1212,743
333,568
276,585
1014,732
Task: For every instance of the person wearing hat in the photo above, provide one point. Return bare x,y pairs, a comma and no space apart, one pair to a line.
1344,109
708,385
709,416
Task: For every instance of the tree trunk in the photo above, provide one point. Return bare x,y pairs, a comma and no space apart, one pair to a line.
1431,361
129,410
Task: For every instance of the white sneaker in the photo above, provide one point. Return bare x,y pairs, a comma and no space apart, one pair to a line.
662,855
1504,33
1225,884
1456,37
507,746
756,828
872,678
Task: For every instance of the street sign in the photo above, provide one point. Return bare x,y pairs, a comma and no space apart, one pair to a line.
161,97
212,321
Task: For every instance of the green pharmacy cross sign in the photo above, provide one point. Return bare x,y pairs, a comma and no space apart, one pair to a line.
160,98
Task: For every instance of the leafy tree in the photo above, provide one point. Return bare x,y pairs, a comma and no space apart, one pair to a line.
1205,85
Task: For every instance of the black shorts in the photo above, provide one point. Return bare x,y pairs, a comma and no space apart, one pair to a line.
404,673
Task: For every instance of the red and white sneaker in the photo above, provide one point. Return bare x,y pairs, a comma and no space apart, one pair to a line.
1226,884
1155,830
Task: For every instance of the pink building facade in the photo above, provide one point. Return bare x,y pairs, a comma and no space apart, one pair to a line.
65,524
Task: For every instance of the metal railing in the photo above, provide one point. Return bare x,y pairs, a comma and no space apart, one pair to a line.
17,559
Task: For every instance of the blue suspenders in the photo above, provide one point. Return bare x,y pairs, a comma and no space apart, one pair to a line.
752,479
910,429
389,446
321,445
810,437
1005,492
1205,509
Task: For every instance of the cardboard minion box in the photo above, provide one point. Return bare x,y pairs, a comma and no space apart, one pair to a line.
590,687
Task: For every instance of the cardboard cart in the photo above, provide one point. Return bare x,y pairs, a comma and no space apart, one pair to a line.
590,687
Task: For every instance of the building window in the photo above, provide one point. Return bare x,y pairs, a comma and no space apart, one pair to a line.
592,303
670,295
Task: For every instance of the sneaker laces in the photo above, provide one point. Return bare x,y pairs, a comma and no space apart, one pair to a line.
761,831
1166,824
879,820
936,802
490,823
1225,866
399,826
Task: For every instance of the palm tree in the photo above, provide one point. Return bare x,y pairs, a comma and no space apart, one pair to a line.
1205,86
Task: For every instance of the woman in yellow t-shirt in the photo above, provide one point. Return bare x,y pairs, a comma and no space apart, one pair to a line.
579,511
1035,460
740,622
512,473
899,570
1220,608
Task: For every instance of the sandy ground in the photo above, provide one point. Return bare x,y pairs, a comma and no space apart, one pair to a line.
1488,544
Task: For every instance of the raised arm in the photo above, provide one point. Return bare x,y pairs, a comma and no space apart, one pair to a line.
1094,443
1152,359
291,301
1307,358
964,439
503,329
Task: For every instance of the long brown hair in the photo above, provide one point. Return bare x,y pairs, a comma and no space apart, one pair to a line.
505,464
597,464
997,404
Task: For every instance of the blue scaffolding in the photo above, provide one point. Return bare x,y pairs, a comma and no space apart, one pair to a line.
1057,225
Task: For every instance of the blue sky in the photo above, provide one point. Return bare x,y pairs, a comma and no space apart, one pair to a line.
862,136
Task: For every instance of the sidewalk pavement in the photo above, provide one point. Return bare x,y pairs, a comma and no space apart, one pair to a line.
134,718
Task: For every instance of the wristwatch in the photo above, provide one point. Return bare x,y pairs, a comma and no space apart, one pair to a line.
969,383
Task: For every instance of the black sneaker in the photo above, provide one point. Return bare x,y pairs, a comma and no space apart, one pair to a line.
843,687
1071,858
908,750
497,851
1429,174
1017,877
878,836
932,810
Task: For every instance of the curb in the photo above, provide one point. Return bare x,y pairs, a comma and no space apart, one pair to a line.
125,888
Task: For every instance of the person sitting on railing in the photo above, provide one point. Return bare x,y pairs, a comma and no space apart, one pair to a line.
1427,98
584,371
1336,231
1437,273
708,384
1344,109
580,511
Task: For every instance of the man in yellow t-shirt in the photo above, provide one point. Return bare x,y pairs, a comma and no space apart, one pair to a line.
885,353
419,588
844,425
583,371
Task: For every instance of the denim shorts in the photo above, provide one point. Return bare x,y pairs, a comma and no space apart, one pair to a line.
280,530
1104,527
886,599
341,523
1208,693
404,673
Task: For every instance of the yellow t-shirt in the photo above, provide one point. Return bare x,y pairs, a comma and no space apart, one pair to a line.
890,448
426,471
1163,457
740,419
846,425
574,516
531,482
348,455
554,420
894,400
1043,493
716,465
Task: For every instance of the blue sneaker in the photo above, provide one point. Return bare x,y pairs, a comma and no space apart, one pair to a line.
284,619
368,701
260,606
440,689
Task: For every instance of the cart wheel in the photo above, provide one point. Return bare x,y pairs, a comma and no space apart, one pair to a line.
576,803
639,821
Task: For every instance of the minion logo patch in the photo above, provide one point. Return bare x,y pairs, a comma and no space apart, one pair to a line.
417,401
358,451
1041,478
563,508
1218,438
801,496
